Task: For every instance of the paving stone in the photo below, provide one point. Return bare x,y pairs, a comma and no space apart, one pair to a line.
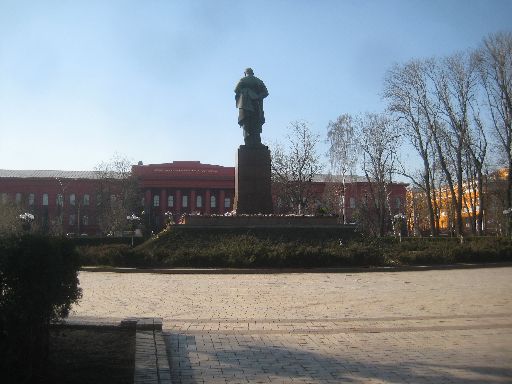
450,326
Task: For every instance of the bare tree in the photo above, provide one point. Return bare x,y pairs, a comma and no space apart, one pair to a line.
117,195
330,199
293,168
342,153
460,139
494,58
9,218
379,140
408,91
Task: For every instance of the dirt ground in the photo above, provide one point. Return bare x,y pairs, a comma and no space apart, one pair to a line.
91,355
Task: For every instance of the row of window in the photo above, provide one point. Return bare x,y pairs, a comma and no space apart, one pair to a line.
31,197
72,220
184,201
156,200
352,202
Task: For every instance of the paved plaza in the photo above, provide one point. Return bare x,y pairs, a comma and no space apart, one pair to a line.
446,326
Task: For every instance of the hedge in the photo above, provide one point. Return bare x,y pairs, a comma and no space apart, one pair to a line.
38,285
290,247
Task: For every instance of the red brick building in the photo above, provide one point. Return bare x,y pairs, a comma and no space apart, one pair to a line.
69,199
64,199
327,192
184,187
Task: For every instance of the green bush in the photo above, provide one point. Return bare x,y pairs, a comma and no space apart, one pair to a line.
364,254
105,254
38,285
292,247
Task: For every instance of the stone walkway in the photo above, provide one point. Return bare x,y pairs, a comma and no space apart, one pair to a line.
451,326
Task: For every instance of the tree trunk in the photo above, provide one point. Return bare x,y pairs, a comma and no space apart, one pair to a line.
428,191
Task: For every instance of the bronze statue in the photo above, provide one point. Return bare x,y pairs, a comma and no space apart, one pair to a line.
250,92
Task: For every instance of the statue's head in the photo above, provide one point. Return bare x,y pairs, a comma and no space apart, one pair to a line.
249,72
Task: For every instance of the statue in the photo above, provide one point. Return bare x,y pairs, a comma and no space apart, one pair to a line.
250,92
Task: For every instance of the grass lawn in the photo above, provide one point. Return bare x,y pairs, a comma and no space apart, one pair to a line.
91,355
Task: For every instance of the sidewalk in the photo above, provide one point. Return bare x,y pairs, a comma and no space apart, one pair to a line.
247,271
450,326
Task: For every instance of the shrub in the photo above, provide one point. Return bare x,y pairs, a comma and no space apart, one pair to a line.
38,285
105,254
291,247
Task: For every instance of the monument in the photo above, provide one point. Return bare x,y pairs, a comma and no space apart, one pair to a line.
252,173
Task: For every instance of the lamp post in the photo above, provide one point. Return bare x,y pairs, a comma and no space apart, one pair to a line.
508,215
27,219
170,217
133,219
398,220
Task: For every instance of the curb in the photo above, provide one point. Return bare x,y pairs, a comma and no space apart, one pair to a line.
151,362
227,271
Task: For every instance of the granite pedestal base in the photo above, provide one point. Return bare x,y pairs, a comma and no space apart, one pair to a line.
252,180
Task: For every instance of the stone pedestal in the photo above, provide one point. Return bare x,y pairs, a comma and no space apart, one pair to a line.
252,180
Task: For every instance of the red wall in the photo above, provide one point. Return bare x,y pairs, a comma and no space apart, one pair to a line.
53,187
189,178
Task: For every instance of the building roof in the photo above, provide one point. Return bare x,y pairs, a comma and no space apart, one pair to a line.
48,174
182,168
326,178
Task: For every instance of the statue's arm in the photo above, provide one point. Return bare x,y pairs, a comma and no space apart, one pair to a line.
237,92
263,90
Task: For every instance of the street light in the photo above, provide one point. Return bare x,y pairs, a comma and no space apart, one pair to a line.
508,214
170,217
27,219
133,219
398,220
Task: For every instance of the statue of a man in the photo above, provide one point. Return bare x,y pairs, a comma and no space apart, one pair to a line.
250,92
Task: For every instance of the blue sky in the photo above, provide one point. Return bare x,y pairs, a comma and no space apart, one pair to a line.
81,80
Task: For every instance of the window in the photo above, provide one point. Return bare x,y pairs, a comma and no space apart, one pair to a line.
184,201
98,199
31,198
72,199
199,201
86,199
352,202
60,200
45,199
227,202
170,201
85,220
398,202
156,201
4,198
72,219
18,198
213,202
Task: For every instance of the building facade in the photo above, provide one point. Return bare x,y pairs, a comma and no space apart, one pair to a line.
70,202
61,201
494,221
184,187
357,195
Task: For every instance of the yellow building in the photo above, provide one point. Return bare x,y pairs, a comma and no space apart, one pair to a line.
494,200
